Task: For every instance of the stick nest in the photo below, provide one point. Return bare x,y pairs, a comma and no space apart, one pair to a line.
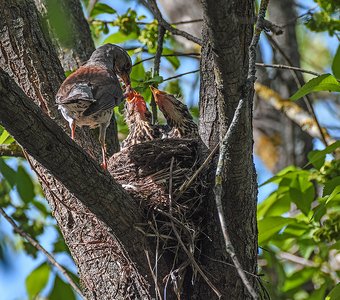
153,173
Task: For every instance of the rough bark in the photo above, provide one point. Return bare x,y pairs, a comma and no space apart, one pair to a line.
29,58
227,32
72,40
280,142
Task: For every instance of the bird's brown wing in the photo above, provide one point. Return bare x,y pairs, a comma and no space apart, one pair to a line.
104,88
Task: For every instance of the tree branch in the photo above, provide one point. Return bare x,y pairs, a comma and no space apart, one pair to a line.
191,54
11,150
44,140
36,245
156,67
288,68
292,111
152,5
180,75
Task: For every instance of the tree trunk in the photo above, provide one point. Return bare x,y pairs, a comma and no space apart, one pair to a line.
227,32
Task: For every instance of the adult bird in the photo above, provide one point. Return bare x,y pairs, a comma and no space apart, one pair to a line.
138,119
87,96
176,114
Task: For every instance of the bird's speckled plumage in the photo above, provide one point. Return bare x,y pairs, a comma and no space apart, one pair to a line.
138,118
176,114
87,96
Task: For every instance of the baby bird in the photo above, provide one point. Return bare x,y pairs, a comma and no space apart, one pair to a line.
176,114
87,97
138,119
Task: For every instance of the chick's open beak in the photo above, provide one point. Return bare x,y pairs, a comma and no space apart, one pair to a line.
157,94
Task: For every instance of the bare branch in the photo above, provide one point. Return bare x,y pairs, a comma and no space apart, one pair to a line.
292,111
11,150
180,75
156,67
152,5
190,54
36,245
288,68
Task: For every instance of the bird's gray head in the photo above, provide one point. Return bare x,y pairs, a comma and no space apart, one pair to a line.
114,58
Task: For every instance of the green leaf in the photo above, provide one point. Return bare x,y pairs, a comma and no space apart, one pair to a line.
8,173
298,278
275,205
101,8
25,185
325,82
6,138
336,64
302,193
317,157
61,290
334,195
271,225
172,59
120,37
330,185
334,294
37,280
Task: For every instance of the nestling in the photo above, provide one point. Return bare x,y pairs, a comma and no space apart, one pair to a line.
176,114
138,118
87,97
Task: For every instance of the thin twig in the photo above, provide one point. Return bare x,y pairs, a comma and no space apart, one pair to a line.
189,182
154,277
11,150
218,197
179,239
36,245
156,67
152,5
288,68
180,75
191,54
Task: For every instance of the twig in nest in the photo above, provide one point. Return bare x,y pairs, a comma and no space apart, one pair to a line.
188,253
154,276
36,245
189,182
